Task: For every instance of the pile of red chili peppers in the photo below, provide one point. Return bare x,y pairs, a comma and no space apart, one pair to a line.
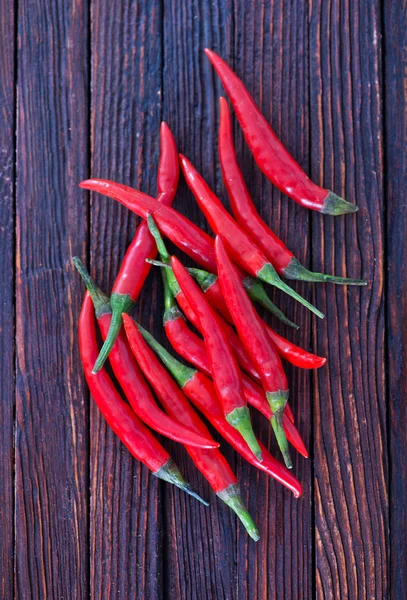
235,362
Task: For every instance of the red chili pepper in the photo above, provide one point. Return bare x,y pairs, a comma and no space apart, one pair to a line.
188,345
183,233
126,425
192,348
131,378
224,368
287,350
241,248
211,463
257,343
245,213
134,269
269,153
200,390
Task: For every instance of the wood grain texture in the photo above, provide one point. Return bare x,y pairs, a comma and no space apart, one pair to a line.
94,81
51,494
235,567
125,508
395,68
7,343
351,471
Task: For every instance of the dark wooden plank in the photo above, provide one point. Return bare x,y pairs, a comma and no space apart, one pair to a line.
267,44
125,509
7,346
51,401
395,48
271,55
351,510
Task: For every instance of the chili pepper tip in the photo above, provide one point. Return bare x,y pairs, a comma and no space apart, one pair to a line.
231,497
239,418
99,299
269,275
295,270
169,472
335,205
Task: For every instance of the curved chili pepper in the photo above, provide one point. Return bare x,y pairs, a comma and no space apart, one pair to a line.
241,247
211,463
290,352
269,153
224,368
134,268
182,232
245,213
120,417
287,350
131,378
200,390
170,280
293,354
257,343
190,347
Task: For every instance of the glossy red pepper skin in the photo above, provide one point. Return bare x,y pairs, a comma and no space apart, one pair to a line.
242,205
254,337
177,228
238,349
131,378
290,352
200,390
245,213
224,367
225,370
121,418
269,153
210,462
190,347
249,325
241,248
140,397
134,268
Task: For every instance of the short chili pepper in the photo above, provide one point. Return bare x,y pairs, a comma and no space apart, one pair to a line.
240,246
200,390
257,343
131,378
211,463
225,371
190,347
134,268
269,153
182,232
126,425
245,213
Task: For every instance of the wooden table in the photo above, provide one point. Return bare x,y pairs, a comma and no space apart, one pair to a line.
83,89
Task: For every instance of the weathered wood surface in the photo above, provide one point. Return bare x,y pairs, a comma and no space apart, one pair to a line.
83,88
52,421
395,80
7,341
